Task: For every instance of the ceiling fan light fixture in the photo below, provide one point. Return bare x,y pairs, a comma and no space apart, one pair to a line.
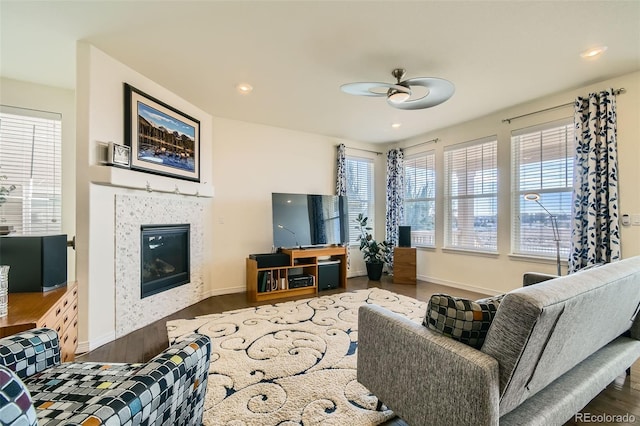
397,97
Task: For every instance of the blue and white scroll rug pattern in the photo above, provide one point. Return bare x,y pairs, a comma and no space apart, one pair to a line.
291,363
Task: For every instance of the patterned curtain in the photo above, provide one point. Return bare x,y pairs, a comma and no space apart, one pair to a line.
316,217
341,181
395,198
341,186
595,234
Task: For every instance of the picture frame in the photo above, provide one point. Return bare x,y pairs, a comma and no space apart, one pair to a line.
118,155
162,139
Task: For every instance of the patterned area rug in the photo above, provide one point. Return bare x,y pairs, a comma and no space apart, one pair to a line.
291,363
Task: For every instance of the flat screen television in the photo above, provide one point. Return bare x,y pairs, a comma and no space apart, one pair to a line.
307,220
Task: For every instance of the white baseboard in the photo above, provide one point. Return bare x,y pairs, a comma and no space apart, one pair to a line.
353,273
87,346
221,291
454,284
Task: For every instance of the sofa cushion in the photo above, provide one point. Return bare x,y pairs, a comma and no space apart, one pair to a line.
461,319
542,331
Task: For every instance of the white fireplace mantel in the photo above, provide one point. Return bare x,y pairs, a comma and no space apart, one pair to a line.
131,179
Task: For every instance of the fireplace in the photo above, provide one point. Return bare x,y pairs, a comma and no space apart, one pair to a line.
164,262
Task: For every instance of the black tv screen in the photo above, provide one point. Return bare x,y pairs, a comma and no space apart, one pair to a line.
304,220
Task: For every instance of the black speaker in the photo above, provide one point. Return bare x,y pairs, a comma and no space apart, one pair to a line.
36,263
271,260
404,236
328,275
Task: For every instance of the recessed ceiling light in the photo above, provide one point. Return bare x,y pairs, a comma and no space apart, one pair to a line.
396,125
244,88
594,52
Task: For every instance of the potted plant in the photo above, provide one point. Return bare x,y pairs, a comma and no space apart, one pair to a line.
5,190
374,253
4,193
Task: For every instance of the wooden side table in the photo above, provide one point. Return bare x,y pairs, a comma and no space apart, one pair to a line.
404,265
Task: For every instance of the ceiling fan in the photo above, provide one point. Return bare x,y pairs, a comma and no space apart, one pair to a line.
399,94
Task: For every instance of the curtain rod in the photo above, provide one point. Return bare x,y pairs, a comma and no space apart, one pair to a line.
365,150
31,109
436,140
509,120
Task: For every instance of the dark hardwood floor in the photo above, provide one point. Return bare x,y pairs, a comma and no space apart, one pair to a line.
619,398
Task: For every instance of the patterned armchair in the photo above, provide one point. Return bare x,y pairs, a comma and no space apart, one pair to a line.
168,390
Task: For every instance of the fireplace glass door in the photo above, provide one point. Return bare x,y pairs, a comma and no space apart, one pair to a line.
164,258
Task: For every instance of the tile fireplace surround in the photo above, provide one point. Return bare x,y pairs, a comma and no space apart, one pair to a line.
131,212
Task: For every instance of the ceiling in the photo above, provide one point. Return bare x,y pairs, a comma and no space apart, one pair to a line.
296,54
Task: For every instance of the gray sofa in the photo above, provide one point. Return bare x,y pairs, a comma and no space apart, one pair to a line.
551,348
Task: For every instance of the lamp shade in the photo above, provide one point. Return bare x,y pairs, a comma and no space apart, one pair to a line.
531,196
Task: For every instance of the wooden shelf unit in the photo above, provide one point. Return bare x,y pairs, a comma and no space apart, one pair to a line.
55,309
303,260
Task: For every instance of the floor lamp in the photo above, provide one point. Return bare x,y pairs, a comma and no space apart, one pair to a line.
532,196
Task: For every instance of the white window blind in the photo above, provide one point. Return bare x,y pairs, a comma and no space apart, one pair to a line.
30,163
471,182
360,193
420,198
542,162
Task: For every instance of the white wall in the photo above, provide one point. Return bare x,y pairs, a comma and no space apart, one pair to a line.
497,274
34,96
100,118
250,161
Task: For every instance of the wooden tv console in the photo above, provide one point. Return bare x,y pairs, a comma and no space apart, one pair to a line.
302,261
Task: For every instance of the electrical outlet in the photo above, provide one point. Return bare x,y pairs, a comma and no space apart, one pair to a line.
635,219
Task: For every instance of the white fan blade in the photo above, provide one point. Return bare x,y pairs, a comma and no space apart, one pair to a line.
366,88
439,91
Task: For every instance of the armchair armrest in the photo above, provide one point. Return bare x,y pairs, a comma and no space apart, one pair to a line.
181,373
30,352
169,389
422,376
196,346
530,278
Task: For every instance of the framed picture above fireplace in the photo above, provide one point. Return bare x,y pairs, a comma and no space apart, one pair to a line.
163,140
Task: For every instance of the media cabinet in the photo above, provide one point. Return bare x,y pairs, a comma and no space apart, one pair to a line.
301,262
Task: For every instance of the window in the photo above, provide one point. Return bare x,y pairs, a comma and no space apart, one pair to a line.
471,180
30,168
542,163
420,198
359,192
